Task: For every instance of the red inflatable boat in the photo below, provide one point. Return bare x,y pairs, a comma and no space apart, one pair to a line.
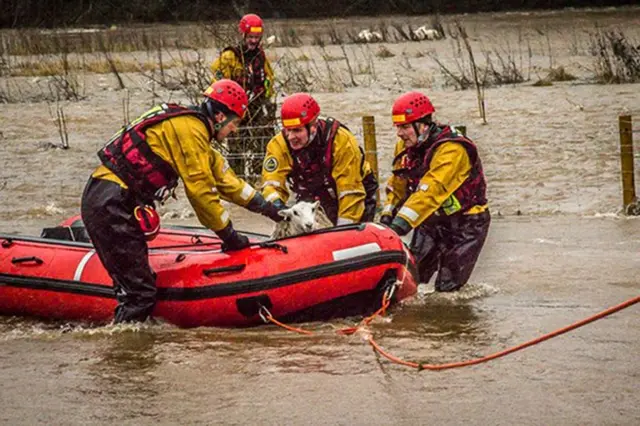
335,272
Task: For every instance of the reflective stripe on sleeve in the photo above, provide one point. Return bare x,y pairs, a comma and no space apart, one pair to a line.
247,191
344,221
272,197
224,217
274,183
411,214
345,193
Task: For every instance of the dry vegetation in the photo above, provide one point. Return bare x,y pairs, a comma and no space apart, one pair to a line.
328,59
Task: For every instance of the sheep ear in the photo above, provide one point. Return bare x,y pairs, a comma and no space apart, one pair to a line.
286,214
316,204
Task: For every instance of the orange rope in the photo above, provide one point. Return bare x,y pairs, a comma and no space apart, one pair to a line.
351,330
386,301
271,319
532,342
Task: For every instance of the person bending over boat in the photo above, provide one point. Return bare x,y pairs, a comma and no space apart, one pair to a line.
438,189
141,165
319,159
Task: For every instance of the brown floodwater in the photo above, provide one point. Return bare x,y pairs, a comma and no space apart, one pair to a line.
558,251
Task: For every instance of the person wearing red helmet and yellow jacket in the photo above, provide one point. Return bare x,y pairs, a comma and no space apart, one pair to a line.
438,189
319,159
247,63
141,165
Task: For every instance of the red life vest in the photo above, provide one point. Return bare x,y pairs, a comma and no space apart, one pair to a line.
415,163
311,173
254,75
130,158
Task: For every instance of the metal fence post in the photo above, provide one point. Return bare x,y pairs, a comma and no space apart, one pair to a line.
626,162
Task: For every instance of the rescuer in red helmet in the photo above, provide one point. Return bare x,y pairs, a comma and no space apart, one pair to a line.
319,159
247,65
437,189
141,165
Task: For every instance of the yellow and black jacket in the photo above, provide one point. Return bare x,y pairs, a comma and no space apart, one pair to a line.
442,176
331,169
250,69
178,145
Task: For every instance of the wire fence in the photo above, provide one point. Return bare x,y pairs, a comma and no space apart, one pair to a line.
247,149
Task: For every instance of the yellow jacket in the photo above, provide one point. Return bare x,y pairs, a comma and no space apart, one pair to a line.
183,142
229,66
450,166
346,172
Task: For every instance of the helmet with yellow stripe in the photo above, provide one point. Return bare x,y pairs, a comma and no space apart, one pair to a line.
411,107
299,110
251,24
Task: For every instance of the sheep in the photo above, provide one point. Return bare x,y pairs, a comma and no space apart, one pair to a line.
368,36
301,218
425,33
270,40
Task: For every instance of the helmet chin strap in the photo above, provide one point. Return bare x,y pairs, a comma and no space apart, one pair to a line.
218,126
424,136
312,134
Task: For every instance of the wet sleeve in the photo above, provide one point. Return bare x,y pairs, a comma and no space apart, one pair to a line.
347,173
396,187
449,168
275,169
186,141
229,185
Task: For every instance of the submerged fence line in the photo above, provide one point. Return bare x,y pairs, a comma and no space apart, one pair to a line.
630,203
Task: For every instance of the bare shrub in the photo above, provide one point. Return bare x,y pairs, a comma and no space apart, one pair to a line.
384,52
559,74
503,70
292,76
334,36
288,37
401,33
616,59
66,86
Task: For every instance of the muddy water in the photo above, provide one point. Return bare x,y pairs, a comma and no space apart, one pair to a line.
558,251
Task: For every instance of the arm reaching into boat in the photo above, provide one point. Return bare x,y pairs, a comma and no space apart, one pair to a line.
142,164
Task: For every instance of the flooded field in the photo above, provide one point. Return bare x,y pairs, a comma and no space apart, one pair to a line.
558,251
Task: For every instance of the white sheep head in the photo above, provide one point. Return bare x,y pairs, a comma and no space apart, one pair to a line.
301,216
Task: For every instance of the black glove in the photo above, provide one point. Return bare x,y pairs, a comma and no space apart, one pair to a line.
400,226
386,219
259,205
271,210
231,240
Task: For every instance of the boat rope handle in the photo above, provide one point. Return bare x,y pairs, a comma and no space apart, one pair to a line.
273,245
34,259
223,269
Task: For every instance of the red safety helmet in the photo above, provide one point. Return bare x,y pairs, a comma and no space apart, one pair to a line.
148,220
299,110
410,107
250,24
230,94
